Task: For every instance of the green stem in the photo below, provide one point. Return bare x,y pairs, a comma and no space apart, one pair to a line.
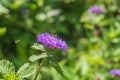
39,67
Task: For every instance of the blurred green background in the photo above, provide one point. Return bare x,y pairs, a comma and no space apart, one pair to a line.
93,39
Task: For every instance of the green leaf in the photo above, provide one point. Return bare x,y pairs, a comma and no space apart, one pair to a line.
38,46
2,31
6,67
3,9
10,77
53,62
84,65
25,71
37,57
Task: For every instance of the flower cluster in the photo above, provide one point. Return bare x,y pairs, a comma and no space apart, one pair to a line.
96,9
115,72
52,41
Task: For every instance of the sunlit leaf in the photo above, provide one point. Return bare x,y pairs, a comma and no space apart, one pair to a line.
6,67
25,71
2,31
3,9
40,2
37,57
84,66
41,17
38,46
10,77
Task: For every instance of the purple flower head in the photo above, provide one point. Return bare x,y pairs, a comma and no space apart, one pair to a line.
25,11
115,72
52,41
96,10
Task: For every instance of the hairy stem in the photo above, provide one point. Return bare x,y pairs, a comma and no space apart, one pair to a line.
38,70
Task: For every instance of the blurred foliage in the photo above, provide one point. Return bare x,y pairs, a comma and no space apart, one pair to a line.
94,39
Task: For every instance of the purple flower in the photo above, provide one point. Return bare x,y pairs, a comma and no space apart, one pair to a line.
25,11
96,10
52,41
115,72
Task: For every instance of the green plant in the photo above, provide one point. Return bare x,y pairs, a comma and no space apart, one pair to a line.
7,69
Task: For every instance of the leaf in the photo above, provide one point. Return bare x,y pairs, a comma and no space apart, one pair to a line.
38,46
10,77
37,57
25,71
53,62
84,65
3,9
6,67
2,31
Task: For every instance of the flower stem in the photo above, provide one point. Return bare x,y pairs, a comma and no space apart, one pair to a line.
39,67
